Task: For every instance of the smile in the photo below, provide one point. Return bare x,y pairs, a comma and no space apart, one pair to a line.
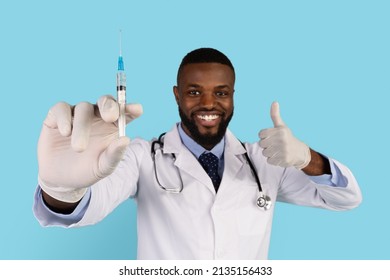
208,117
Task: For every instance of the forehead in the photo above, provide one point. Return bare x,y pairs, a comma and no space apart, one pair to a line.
205,73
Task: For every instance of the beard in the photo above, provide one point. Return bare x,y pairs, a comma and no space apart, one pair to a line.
208,139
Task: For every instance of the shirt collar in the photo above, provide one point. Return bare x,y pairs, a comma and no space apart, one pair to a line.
197,149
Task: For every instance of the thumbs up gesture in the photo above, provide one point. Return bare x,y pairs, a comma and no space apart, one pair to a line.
280,146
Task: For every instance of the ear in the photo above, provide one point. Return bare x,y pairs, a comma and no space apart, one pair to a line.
176,93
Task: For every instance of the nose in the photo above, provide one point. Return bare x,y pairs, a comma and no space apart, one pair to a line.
207,100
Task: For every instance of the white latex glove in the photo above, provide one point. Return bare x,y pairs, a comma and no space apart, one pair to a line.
79,146
280,146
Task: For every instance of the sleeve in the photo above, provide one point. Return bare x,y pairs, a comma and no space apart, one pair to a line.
339,191
298,188
336,178
46,217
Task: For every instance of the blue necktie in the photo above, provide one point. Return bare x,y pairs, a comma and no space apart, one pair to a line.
209,162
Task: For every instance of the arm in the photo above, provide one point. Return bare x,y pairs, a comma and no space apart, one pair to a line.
281,148
314,180
338,191
59,206
318,165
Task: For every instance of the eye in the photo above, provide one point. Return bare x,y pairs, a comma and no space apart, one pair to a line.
222,93
193,92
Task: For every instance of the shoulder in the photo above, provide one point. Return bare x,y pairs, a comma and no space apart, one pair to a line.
233,143
169,139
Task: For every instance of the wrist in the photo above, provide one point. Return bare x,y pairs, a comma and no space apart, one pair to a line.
67,195
319,165
58,206
306,158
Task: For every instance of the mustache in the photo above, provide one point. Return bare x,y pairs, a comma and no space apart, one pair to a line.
204,110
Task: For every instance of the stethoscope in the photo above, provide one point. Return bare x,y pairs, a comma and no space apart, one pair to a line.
263,201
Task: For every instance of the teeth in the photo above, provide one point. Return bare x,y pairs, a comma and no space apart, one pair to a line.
208,117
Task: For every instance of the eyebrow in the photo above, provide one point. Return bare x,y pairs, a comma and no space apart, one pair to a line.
194,85
217,87
222,86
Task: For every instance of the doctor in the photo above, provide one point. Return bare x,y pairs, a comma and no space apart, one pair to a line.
196,192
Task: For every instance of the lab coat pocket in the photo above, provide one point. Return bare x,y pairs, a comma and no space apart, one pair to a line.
251,219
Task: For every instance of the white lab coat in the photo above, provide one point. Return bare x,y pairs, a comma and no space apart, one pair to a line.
198,223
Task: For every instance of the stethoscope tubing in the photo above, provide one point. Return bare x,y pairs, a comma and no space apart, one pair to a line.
262,201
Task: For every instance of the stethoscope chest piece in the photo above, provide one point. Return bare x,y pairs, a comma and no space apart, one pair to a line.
264,201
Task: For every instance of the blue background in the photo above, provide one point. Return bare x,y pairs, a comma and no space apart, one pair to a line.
326,62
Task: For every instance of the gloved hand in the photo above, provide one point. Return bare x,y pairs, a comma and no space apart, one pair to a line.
280,146
79,146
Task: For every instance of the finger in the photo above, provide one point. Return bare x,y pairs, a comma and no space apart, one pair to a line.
267,133
275,115
60,116
83,115
270,152
108,108
267,142
133,111
275,160
110,158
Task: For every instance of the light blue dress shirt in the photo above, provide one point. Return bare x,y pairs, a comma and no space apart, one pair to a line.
335,179
197,149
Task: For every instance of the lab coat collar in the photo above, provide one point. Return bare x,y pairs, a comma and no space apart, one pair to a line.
188,163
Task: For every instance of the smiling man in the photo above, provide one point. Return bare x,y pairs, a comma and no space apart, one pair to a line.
204,95
200,192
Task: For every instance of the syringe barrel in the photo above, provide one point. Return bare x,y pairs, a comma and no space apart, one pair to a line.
121,99
120,80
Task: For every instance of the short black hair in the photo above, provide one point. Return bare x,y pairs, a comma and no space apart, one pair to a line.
204,55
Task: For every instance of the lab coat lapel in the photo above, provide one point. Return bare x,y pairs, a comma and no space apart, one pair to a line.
189,164
234,160
185,160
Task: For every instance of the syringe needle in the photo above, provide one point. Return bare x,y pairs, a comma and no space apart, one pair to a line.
120,42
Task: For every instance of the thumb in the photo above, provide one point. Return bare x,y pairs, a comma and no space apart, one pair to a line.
275,115
113,154
133,111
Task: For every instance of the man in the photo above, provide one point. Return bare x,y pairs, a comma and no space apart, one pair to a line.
196,193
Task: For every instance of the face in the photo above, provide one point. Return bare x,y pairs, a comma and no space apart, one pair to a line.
204,95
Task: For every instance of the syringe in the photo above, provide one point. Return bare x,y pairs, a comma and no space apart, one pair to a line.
121,90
